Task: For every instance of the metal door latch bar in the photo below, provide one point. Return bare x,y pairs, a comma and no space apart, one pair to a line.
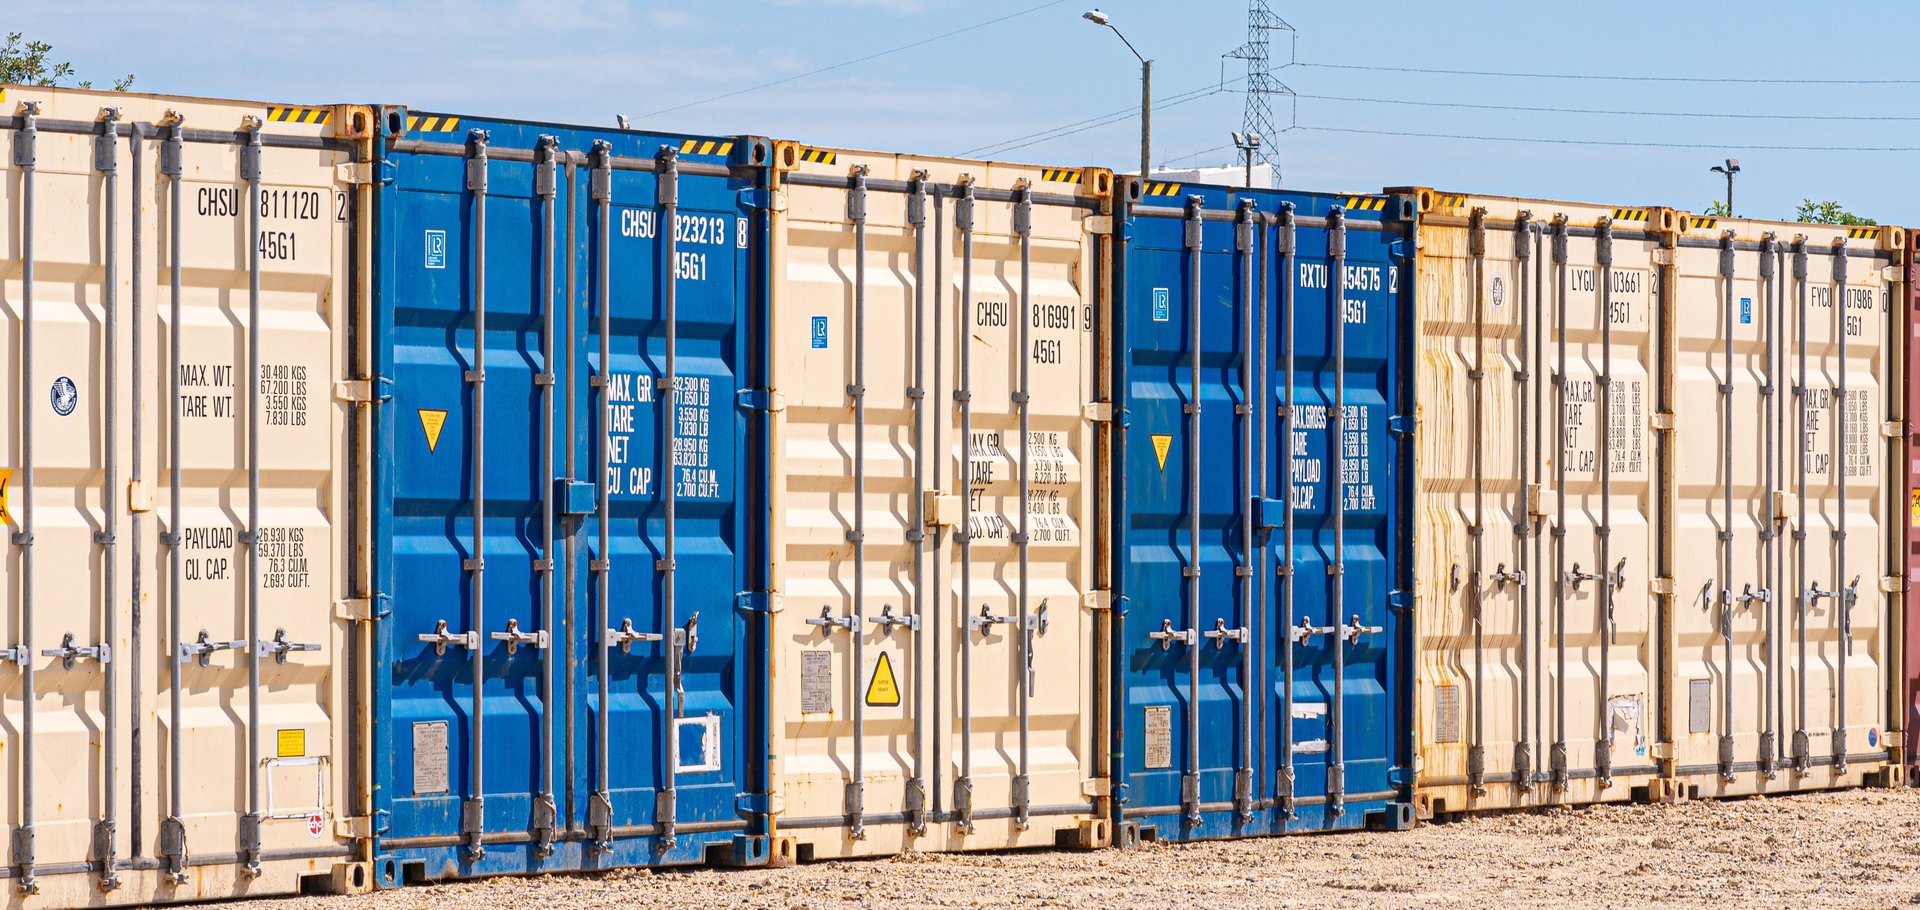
1353,630
68,652
830,623
1748,595
986,621
279,647
1037,620
625,636
1168,635
1306,630
1220,634
1501,577
888,622
440,639
1617,579
515,638
202,649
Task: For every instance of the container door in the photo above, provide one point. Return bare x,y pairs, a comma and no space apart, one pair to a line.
665,674
933,349
1196,610
1341,708
468,245
1909,701
1783,664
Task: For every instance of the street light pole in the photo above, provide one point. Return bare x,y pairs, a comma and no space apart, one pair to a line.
1146,89
1731,168
1247,143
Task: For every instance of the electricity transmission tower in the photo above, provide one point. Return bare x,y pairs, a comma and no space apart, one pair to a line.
1261,84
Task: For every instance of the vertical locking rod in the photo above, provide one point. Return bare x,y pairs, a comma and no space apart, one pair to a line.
1603,254
856,795
1284,788
1337,293
1023,228
1476,533
106,161
963,784
24,141
1558,756
1190,782
250,155
1248,416
1842,466
915,802
667,184
473,811
173,831
1726,509
1802,745
600,802
1526,235
545,812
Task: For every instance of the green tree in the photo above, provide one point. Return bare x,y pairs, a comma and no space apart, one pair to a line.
26,62
1827,212
1718,209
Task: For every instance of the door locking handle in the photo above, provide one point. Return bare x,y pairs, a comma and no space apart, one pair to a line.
68,653
202,648
441,639
985,621
830,623
1306,630
515,638
1353,630
888,622
1168,635
625,636
1501,577
280,646
1220,634
1616,579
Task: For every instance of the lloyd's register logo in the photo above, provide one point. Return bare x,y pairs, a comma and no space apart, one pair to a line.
64,395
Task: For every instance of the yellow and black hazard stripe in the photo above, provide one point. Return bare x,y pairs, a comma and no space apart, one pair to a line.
1162,189
1863,233
1449,200
1366,203
817,156
432,123
1629,214
1060,175
706,147
297,114
1697,223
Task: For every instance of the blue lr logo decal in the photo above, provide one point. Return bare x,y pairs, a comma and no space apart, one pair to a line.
1162,305
1746,311
436,249
819,333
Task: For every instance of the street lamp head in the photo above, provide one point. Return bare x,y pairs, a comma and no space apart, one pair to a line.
1096,17
1253,140
1733,165
1239,141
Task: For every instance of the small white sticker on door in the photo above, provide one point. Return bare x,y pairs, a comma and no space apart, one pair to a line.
430,758
816,682
1159,730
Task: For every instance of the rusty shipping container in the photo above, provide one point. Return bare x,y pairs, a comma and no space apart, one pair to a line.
173,320
1636,503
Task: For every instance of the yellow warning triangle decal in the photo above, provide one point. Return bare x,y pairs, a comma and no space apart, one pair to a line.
6,492
883,691
1161,443
432,420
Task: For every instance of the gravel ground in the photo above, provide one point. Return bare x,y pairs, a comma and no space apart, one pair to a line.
1858,849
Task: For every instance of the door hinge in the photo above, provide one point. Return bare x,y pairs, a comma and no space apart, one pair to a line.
1663,257
1893,429
361,391
354,827
1893,584
362,609
364,173
1661,585
1097,599
762,400
1099,224
757,601
1097,411
1401,599
1661,420
1094,787
754,197
941,509
1402,424
139,496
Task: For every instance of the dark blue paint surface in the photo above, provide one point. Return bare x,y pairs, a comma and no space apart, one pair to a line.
424,256
1153,553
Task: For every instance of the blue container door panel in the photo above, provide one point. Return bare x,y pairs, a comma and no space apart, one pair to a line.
1343,553
438,397
1188,733
662,727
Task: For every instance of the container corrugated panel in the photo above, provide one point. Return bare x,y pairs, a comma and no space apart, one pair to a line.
564,489
172,321
1786,494
935,492
1538,651
1263,478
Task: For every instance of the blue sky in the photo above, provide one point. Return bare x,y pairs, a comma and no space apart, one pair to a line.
585,60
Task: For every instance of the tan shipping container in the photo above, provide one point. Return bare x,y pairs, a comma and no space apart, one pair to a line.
1785,536
935,679
176,716
1603,615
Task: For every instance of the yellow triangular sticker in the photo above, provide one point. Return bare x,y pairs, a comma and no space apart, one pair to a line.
883,691
432,420
1161,443
6,496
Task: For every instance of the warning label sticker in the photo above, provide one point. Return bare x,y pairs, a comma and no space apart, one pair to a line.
1159,735
883,691
432,420
1913,518
816,682
290,743
6,499
1161,444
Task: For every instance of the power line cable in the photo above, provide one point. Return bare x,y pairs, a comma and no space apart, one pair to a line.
1602,77
1095,123
1607,112
846,63
1616,143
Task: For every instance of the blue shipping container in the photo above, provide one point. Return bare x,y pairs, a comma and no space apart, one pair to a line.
1243,387
563,681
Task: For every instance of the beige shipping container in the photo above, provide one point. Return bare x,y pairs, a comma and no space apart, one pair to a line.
1538,659
175,717
1788,452
935,369
1629,529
